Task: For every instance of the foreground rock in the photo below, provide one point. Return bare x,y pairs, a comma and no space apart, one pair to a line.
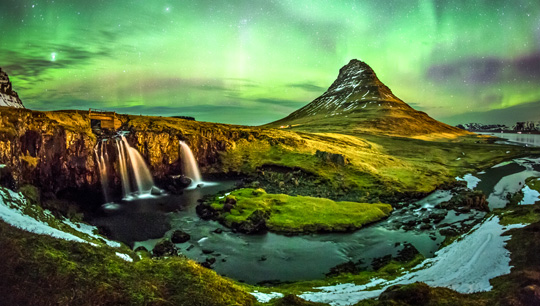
180,237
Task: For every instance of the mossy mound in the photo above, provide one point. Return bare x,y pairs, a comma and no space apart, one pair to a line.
48,271
252,210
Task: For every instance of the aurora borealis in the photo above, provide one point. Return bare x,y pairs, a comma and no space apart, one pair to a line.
252,62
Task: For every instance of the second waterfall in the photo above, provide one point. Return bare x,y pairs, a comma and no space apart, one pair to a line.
131,169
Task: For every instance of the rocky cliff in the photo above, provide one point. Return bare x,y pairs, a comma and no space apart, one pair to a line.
55,150
8,96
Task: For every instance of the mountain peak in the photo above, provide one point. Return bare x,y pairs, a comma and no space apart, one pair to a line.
358,101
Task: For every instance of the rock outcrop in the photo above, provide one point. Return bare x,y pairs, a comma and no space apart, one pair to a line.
8,96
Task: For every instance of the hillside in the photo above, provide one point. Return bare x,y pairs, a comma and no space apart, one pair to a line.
358,102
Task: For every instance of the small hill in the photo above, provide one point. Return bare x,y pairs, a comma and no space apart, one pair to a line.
358,102
8,97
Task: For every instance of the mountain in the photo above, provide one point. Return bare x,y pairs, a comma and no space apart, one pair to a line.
358,102
8,97
480,127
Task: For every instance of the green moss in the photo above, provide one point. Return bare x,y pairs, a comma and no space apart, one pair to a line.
297,214
521,214
52,271
533,183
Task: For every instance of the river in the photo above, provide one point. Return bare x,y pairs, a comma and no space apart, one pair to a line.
273,257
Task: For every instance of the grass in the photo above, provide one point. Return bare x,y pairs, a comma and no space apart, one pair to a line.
42,270
298,214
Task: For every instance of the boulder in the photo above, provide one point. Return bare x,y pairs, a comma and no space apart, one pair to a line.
165,248
255,223
407,254
180,237
206,212
413,294
335,158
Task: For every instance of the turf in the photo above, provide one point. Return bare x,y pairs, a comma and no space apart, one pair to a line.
299,214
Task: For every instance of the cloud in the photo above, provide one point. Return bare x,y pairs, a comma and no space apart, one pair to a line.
487,70
32,63
307,87
510,115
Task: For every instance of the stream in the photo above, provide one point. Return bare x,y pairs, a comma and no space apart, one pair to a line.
271,257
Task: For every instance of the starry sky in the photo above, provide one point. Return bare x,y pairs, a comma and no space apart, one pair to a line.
251,62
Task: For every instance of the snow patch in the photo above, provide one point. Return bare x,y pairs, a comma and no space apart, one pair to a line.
472,181
266,297
125,257
12,215
466,265
530,196
91,231
12,211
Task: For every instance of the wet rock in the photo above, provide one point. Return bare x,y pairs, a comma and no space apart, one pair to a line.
206,251
380,262
165,248
206,212
190,247
208,262
347,267
448,232
181,181
293,300
180,237
407,254
156,191
230,203
466,200
413,294
255,223
218,231
425,227
141,249
263,258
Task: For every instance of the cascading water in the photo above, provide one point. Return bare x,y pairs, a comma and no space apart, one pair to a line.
102,159
134,175
143,179
189,163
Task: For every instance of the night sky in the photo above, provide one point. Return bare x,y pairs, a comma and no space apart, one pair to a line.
252,62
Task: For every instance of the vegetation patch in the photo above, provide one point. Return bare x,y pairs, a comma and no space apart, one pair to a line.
250,210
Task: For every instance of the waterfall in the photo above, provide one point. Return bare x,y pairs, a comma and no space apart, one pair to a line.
189,164
102,159
134,175
143,178
124,175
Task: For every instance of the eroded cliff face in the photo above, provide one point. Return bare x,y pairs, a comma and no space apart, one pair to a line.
47,149
56,150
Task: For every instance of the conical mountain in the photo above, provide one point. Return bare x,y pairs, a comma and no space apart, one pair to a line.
358,102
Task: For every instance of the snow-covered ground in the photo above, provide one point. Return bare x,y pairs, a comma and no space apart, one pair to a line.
472,181
466,266
15,211
530,196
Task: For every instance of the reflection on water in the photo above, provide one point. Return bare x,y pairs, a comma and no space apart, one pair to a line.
256,258
526,139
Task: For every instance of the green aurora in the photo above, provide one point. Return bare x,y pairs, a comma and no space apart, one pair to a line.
252,62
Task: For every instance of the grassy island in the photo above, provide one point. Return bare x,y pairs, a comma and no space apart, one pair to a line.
247,208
